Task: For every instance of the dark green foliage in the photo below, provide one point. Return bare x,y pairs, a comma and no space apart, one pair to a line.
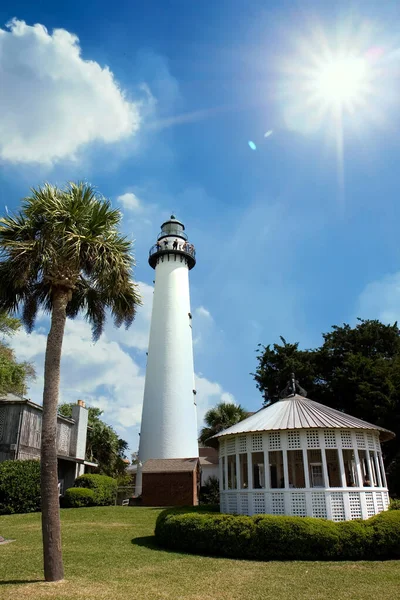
19,486
394,505
104,487
268,537
78,497
13,374
222,416
209,492
356,370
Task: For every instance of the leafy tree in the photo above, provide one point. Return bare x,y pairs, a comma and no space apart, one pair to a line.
356,369
63,252
13,374
222,416
103,443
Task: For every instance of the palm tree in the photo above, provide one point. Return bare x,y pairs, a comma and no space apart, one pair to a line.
63,253
222,416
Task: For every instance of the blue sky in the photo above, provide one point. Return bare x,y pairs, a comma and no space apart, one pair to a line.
288,242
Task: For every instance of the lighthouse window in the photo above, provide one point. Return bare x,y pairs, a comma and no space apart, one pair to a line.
232,472
244,476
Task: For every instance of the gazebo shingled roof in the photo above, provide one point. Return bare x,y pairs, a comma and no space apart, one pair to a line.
298,412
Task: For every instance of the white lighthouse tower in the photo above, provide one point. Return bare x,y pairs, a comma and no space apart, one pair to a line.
169,421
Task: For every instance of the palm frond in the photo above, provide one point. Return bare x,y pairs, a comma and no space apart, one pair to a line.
70,238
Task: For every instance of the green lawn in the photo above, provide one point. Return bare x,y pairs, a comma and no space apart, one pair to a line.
109,553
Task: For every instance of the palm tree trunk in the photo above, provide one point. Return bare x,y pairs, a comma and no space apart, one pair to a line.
51,528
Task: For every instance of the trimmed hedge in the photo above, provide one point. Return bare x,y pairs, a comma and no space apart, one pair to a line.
104,487
268,537
76,497
19,486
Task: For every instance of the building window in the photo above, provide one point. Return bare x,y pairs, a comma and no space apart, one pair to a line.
333,466
244,476
350,468
257,459
296,469
315,468
276,469
231,472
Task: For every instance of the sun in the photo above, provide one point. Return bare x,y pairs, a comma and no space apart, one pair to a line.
341,82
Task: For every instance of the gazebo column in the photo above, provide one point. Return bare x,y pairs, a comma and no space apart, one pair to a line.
226,473
377,469
306,475
364,513
326,485
369,467
341,466
250,482
382,466
238,473
221,473
288,508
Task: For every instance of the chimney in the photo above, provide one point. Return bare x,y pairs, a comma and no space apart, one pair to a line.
80,415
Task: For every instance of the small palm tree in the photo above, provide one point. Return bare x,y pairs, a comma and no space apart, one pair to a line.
222,416
63,252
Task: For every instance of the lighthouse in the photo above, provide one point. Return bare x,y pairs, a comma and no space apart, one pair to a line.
169,421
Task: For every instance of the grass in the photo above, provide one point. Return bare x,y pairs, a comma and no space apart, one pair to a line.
109,553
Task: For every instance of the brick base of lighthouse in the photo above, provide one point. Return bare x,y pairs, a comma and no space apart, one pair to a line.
170,482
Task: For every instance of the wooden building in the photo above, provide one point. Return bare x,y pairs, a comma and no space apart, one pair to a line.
20,436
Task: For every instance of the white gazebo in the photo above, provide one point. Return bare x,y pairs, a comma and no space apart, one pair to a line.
298,457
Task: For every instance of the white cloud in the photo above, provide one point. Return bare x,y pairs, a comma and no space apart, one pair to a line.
53,101
209,393
130,202
203,312
381,299
106,374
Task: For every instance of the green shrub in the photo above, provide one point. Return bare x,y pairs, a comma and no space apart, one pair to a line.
269,537
76,497
209,492
104,487
19,486
394,505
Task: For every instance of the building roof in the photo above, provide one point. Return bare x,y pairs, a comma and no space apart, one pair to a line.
298,412
170,465
13,399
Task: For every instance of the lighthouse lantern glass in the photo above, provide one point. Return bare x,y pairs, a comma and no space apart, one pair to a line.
172,228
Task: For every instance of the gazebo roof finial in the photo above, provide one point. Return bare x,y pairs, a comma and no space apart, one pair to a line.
293,387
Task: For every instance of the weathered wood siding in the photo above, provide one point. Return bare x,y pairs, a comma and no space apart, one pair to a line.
29,442
9,419
31,431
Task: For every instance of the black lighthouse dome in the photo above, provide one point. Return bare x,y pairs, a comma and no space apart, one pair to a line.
172,244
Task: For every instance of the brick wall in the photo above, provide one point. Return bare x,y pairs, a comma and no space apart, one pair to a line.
169,489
